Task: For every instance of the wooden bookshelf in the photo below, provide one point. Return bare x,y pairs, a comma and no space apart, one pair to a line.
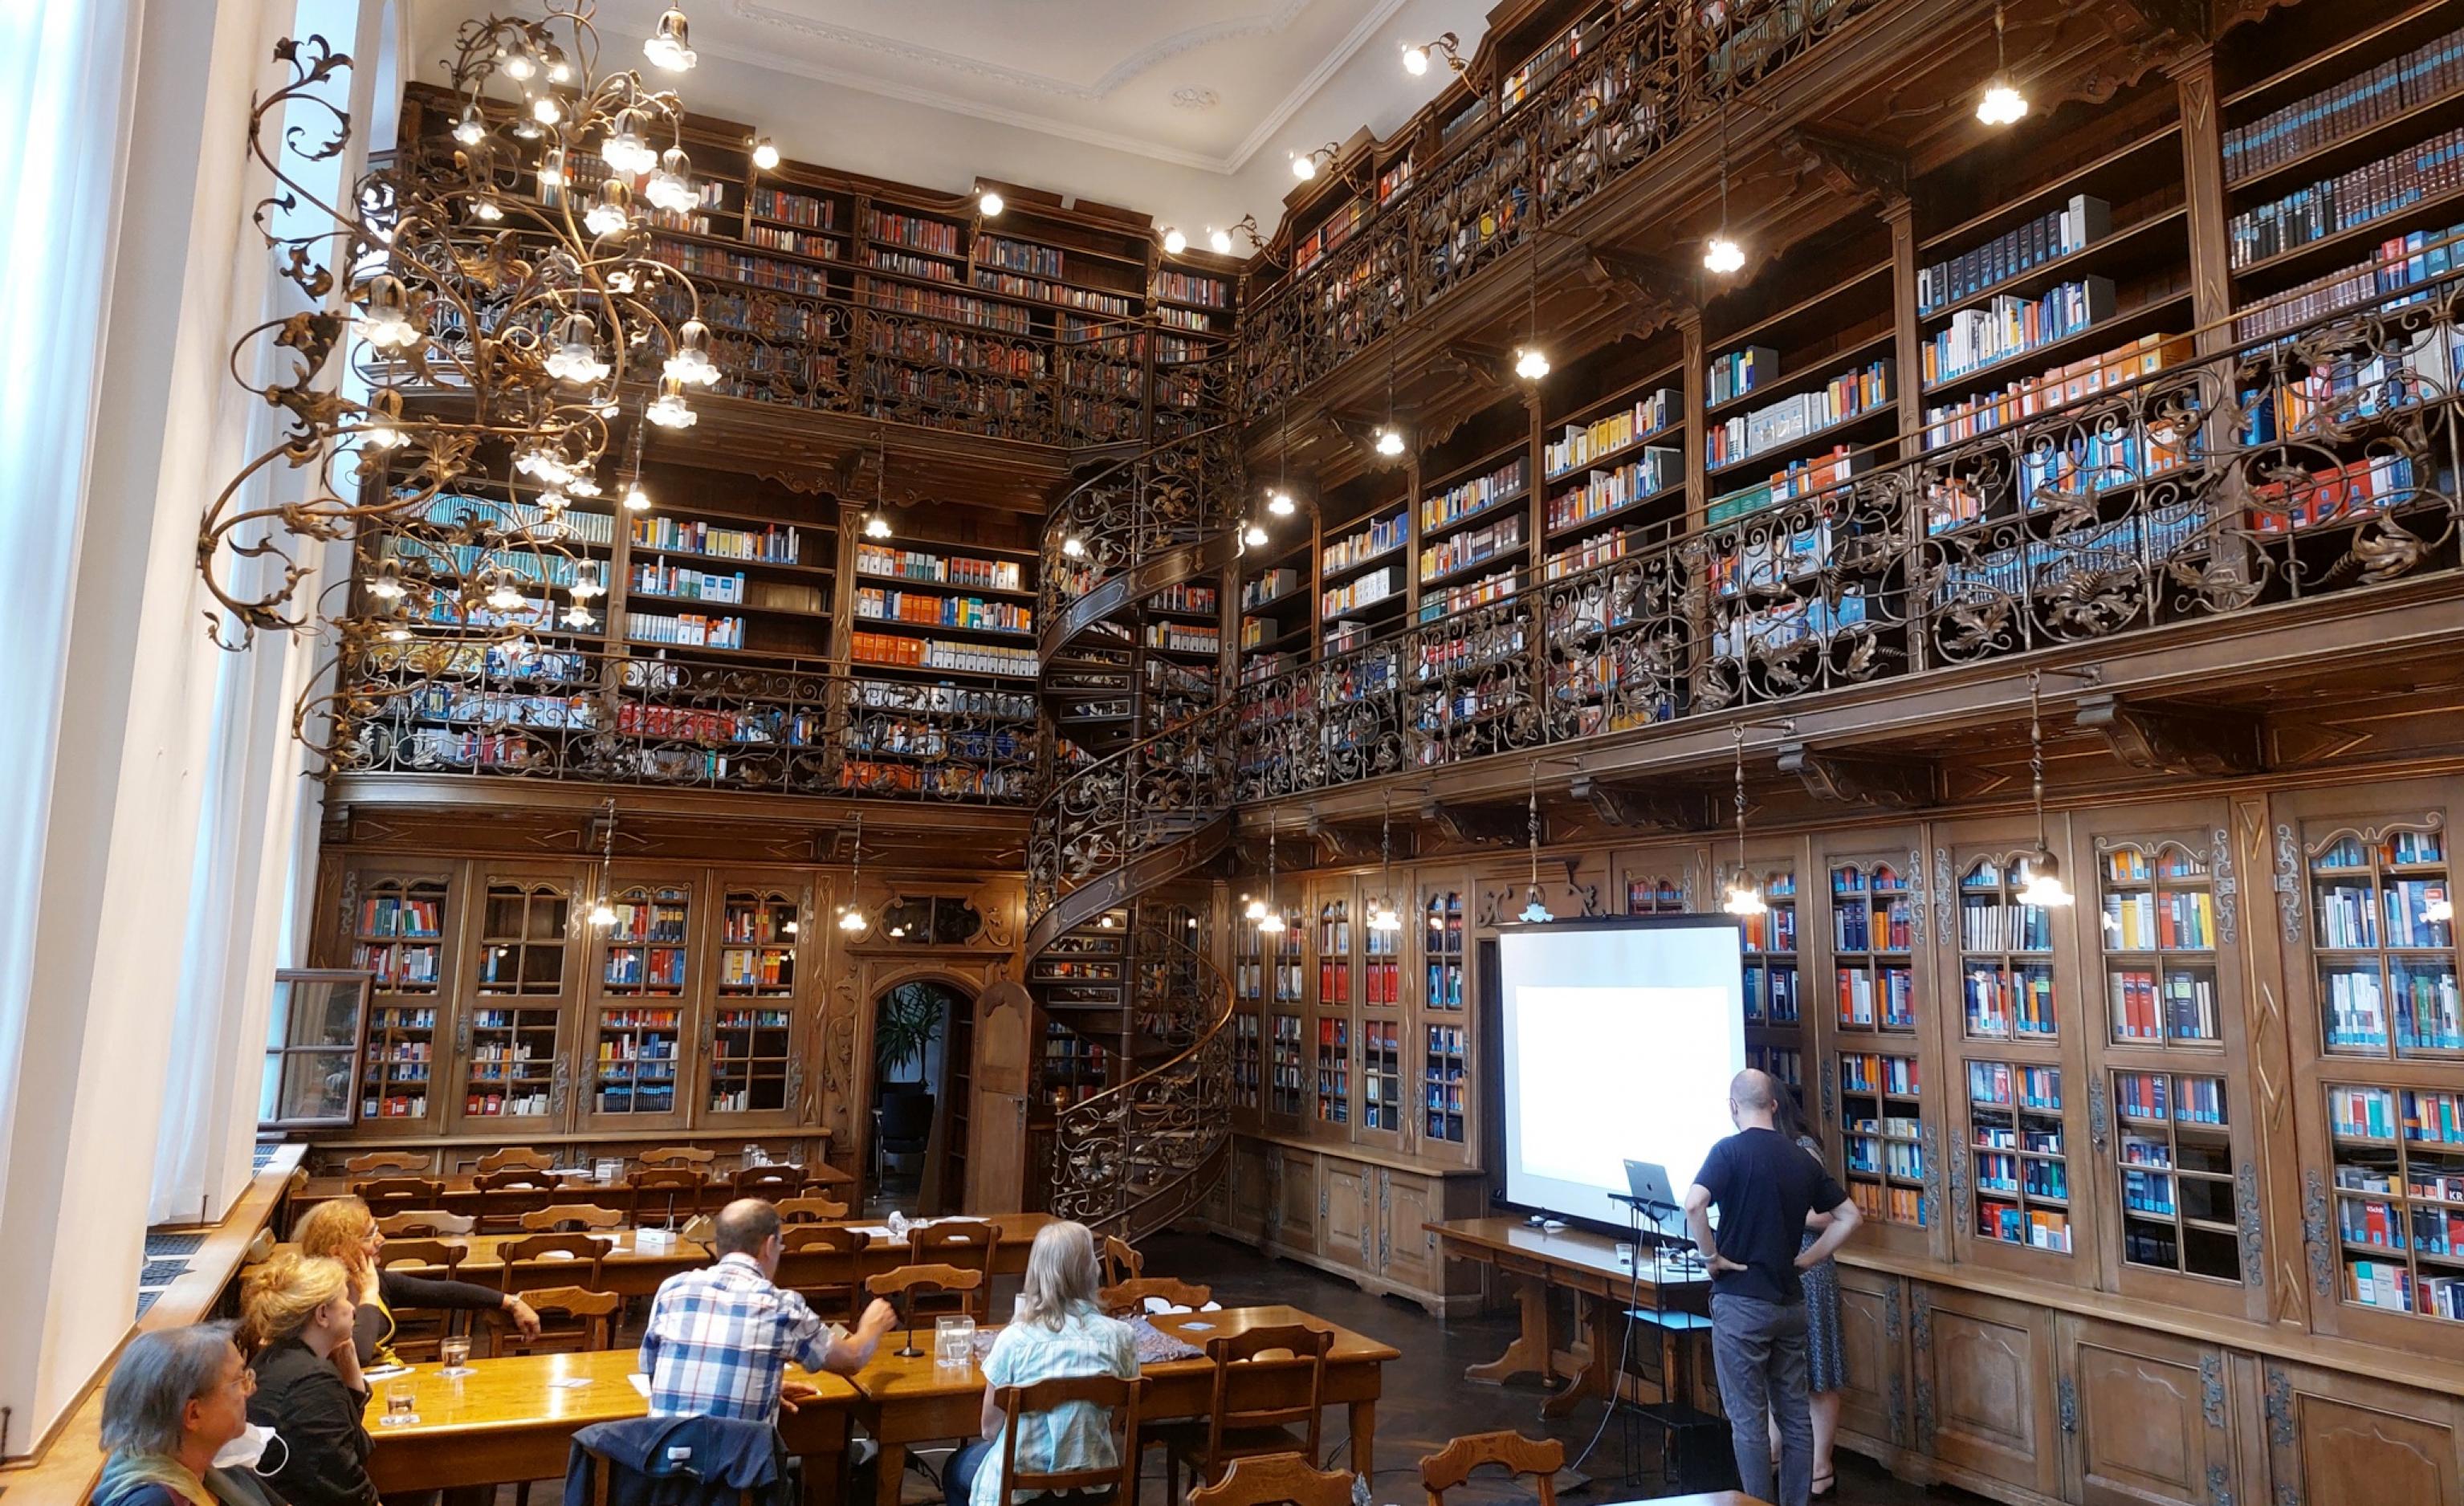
518,1030
399,931
640,986
754,1068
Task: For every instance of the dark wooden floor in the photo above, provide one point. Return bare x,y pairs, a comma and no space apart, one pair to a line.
1427,1400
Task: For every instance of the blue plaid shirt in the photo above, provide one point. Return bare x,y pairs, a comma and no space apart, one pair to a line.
719,1339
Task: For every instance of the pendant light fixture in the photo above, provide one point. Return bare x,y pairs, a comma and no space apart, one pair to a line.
1279,496
1745,896
1384,917
602,914
1722,255
2044,887
1534,912
667,47
1271,922
851,914
877,523
2002,103
1532,362
765,154
636,499
1390,439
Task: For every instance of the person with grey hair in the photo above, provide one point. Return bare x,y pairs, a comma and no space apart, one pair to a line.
175,1424
719,1338
1057,1333
1764,1186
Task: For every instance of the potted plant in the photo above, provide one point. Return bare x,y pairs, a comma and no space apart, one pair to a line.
909,1018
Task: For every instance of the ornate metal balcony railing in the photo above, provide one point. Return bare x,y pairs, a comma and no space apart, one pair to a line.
1137,1155
1654,73
520,711
2324,462
1101,823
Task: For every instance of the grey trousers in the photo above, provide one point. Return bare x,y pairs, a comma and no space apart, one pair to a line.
1760,1349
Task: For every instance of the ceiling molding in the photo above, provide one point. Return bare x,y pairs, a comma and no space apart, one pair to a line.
1377,16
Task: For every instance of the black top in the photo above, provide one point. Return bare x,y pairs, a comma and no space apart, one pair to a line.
1764,1186
372,1326
300,1397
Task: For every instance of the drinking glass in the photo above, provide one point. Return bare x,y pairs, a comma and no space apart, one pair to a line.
455,1352
400,1400
954,1341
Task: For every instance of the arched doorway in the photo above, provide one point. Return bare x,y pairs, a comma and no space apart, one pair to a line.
923,1046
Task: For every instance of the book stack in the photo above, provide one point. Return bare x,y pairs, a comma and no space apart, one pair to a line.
1383,536
1466,498
2429,72
1740,439
2431,169
2076,226
1578,444
2008,327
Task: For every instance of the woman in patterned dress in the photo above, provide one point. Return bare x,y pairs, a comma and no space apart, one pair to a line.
1827,1360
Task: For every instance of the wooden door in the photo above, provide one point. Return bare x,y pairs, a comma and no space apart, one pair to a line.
997,1145
1296,1210
1347,1232
755,1003
1873,1337
2335,1437
1250,1189
1984,1385
519,1036
1407,1251
2146,1417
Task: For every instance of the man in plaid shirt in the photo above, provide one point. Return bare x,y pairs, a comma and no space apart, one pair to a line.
719,1337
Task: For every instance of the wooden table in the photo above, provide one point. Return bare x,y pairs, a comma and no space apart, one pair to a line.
461,1196
629,1271
914,1401
1585,1264
509,1420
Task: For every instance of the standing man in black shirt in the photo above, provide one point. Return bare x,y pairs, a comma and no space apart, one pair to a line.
1765,1185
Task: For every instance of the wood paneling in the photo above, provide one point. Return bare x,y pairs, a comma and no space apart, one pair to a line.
1985,1386
2148,1414
1872,1327
2334,1438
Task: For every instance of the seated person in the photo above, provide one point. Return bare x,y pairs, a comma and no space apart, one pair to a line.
295,1310
719,1338
343,1228
176,1404
1057,1333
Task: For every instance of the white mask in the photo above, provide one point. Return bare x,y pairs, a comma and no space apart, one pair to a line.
245,1451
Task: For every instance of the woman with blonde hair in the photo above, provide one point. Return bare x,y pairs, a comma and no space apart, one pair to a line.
296,1314
343,1228
1056,1333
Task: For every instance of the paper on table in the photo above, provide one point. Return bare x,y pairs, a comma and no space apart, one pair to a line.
555,1255
569,1381
641,1384
1194,1327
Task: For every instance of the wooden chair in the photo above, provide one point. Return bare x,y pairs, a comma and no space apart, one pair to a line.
810,1210
1452,1465
1250,1410
563,1217
417,1330
967,1244
543,1262
397,1194
1129,1299
1271,1478
590,1321
1121,1260
678,1156
505,1196
387,1161
426,1223
770,1183
665,1194
918,1281
514,1158
1120,1397
809,1251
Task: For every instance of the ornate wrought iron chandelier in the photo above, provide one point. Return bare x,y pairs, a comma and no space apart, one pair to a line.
486,324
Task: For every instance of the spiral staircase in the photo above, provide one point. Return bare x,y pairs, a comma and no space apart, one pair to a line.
1139,799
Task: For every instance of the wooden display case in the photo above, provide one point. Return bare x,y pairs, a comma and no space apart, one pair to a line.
1880,1087
516,1025
753,1022
399,928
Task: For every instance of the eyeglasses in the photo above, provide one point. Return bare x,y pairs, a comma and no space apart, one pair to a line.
246,1381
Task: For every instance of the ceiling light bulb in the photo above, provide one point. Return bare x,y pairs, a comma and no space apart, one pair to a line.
765,154
876,525
1218,241
665,49
1389,441
1256,910
1416,60
560,72
1073,547
1530,363
609,216
602,914
386,585
625,151
471,130
1304,167
2002,105
1534,912
670,410
1253,535
520,66
671,186
1280,503
850,919
585,582
1270,923
2044,887
636,500
1722,256
381,437
1745,898
577,616
396,633
1173,242
503,597
990,203
387,324
576,357
1106,923
692,363
488,210
551,173
546,110
1383,919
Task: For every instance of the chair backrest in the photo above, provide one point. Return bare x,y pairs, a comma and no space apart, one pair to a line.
1129,1299
394,1194
937,1277
592,1321
1121,1260
561,1216
677,1156
1266,1480
769,1183
1452,1465
664,1193
605,1472
1121,1397
425,1223
522,1178
387,1161
1252,1388
906,1116
830,1286
801,1237
443,1255
813,1210
966,1244
536,1261
514,1158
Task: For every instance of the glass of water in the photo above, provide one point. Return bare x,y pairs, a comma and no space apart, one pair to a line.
400,1402
954,1341
455,1352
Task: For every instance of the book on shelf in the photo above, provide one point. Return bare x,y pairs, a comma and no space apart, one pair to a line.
927,268
928,653
793,208
930,609
1950,423
1478,494
1846,396
1183,637
2007,328
2399,262
689,630
911,231
2330,206
1732,374
1461,551
1382,534
908,564
1371,587
771,545
2077,224
1655,470
690,586
1577,444
697,260
1189,287
1798,478
2347,108
2367,1113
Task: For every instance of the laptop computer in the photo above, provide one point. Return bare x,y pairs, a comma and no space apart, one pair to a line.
1648,1181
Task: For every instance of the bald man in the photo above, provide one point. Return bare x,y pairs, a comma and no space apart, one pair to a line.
1765,1187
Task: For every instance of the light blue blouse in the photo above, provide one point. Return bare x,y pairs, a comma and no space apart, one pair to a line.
1076,1435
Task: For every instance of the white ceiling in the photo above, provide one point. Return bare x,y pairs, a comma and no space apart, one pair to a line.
1186,109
